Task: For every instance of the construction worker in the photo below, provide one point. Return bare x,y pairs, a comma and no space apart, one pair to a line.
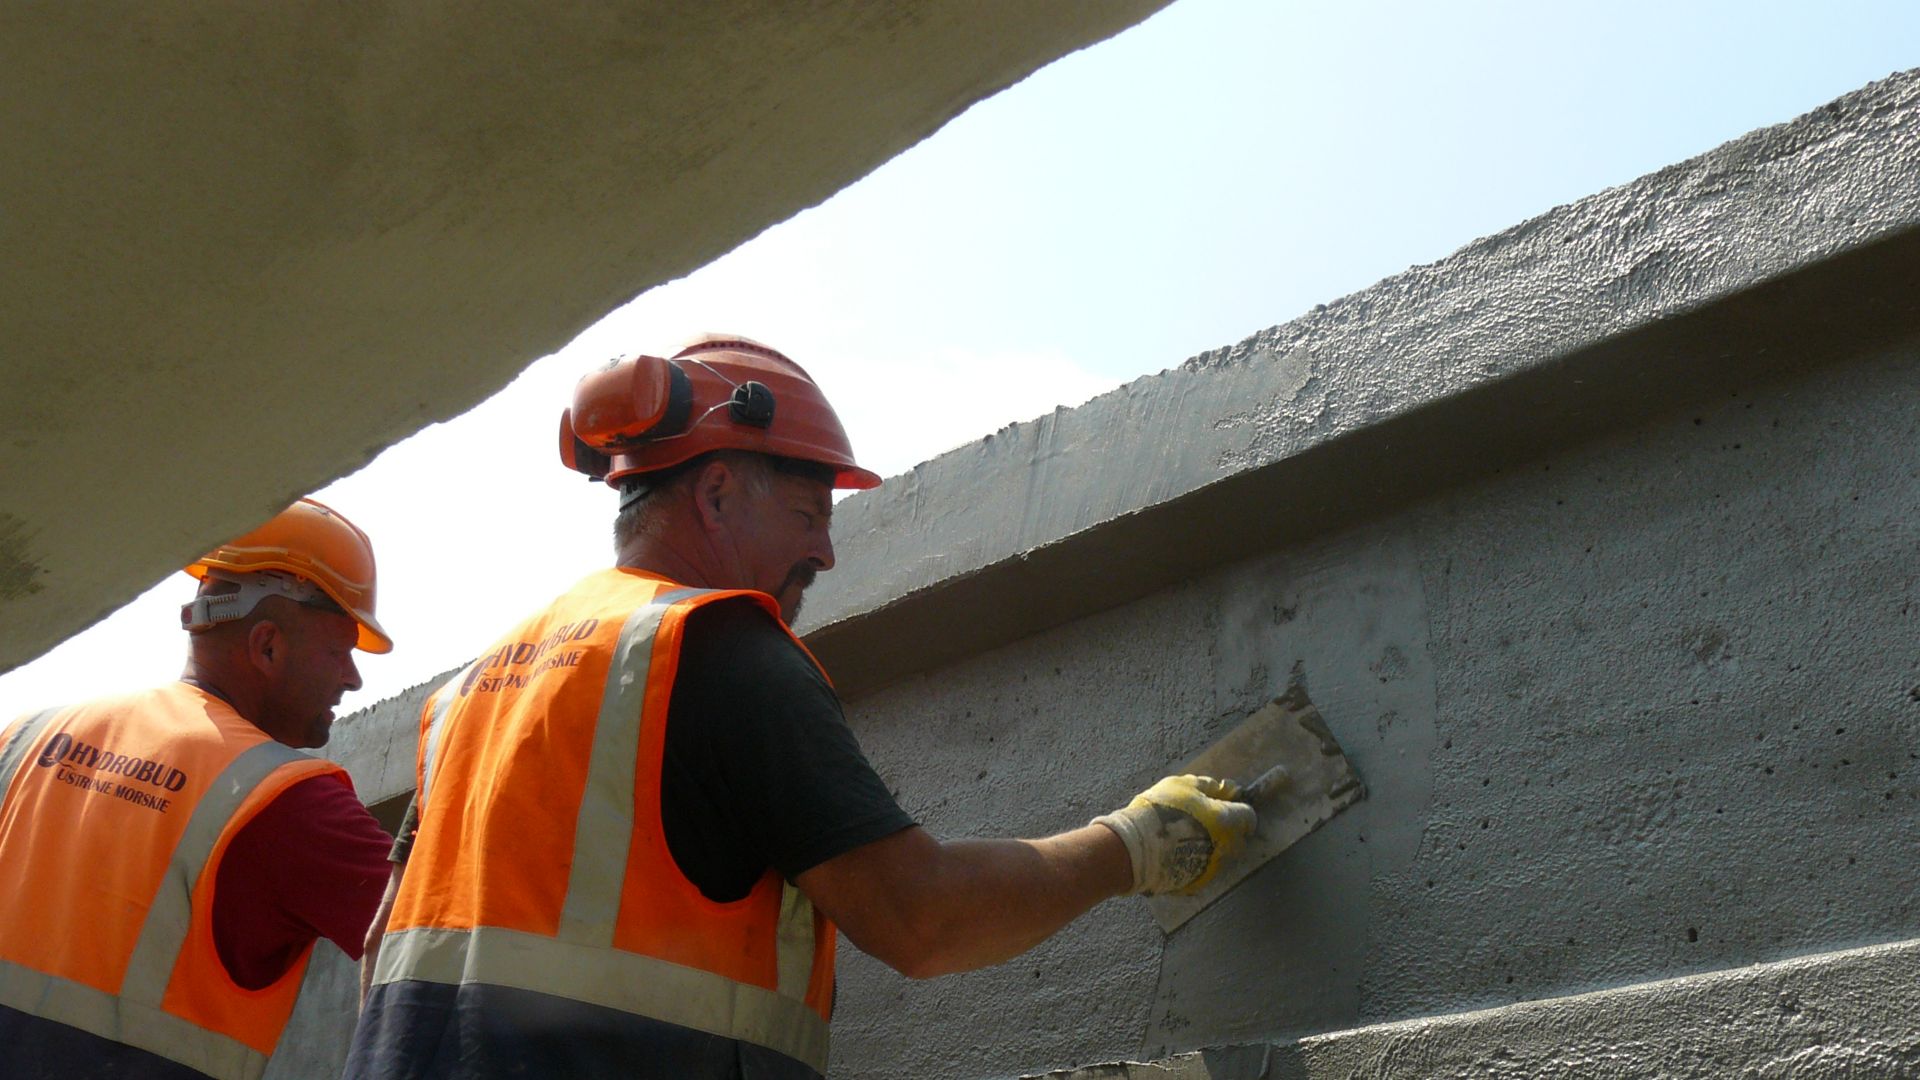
641,814
170,856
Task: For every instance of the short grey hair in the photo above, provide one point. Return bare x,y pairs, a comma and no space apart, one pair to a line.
642,496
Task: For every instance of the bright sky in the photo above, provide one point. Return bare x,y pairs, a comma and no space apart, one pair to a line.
1217,170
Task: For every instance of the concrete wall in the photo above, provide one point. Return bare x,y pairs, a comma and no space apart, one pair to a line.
1594,545
1645,707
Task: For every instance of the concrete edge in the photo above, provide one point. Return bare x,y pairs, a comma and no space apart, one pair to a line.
364,742
1844,1008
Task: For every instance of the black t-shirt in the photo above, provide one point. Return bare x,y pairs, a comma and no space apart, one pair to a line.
760,766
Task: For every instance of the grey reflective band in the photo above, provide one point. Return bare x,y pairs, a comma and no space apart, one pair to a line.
171,915
436,728
606,804
96,1012
795,942
641,985
26,731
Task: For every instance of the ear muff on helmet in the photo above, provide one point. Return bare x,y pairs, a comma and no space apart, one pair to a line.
643,414
751,404
624,403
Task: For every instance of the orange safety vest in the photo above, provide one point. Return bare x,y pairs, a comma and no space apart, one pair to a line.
116,815
541,863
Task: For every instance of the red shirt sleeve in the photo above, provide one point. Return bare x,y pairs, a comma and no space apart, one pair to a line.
311,864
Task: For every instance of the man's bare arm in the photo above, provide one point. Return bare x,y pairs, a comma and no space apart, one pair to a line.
377,929
926,907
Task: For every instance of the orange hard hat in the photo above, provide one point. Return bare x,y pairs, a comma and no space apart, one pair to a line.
313,543
641,414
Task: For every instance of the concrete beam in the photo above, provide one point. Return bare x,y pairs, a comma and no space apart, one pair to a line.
249,247
1630,302
1837,1014
1719,270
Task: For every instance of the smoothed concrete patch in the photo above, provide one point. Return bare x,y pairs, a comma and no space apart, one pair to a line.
1347,619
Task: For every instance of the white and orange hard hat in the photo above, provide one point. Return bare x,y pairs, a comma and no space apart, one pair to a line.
305,547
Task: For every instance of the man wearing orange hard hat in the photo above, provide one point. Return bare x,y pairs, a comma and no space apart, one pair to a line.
171,856
641,814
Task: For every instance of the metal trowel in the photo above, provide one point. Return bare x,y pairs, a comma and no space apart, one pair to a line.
1295,777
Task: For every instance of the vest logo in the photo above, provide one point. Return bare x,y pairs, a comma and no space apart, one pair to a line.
527,652
143,781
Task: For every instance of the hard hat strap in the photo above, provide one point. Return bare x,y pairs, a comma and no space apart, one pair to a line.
633,489
209,610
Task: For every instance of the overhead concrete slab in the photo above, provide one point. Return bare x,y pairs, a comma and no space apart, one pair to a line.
250,246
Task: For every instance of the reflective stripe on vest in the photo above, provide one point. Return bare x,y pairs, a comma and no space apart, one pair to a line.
134,1017
26,731
130,1023
606,808
580,962
172,913
630,982
436,727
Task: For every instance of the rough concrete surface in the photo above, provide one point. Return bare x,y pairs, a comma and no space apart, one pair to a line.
1645,707
1567,324
1677,671
250,246
1838,1016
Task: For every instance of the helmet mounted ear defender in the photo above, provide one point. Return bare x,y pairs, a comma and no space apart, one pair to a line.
305,552
642,414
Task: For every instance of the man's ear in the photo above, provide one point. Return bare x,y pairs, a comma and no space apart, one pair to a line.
266,646
713,491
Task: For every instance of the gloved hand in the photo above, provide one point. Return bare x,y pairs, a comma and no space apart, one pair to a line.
1179,830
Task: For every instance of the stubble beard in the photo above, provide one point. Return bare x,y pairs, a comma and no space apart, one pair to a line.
800,579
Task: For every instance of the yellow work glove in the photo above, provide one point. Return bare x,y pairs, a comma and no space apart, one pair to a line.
1179,830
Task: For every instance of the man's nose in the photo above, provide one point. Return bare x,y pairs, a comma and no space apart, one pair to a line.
822,555
352,673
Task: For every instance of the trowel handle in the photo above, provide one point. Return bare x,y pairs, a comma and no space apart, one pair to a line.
1266,785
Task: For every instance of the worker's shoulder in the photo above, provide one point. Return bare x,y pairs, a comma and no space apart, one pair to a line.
321,793
738,636
739,614
319,808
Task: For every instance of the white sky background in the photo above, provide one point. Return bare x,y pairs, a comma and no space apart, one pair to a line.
1217,170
